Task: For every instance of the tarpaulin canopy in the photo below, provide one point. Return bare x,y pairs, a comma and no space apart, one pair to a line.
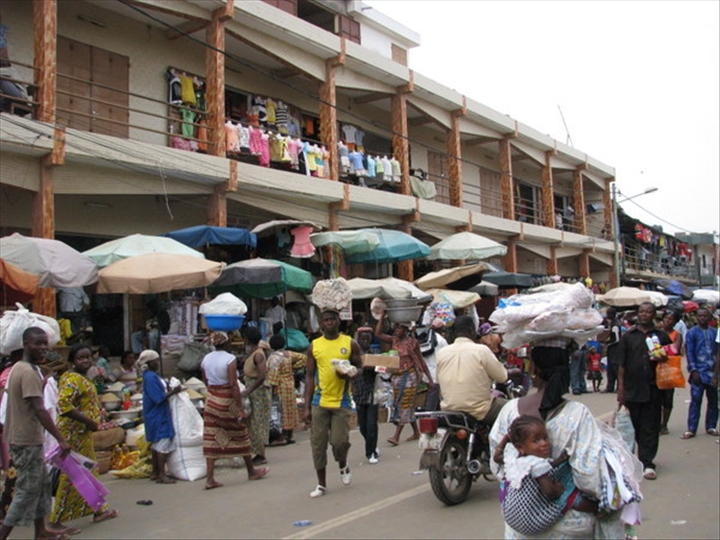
509,280
362,288
349,241
444,277
202,235
458,299
263,278
631,296
485,288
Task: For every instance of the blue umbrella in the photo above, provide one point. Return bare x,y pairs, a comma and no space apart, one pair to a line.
673,286
394,246
202,235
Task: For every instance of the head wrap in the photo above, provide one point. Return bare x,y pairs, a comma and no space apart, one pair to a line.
552,365
145,358
485,328
262,344
219,338
365,329
437,323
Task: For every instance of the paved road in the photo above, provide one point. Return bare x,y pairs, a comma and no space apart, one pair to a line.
389,501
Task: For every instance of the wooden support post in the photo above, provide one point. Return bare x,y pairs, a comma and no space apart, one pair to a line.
405,268
215,81
511,255
43,226
548,192
400,141
579,200
506,177
584,263
551,267
335,207
328,112
454,150
217,207
45,62
608,218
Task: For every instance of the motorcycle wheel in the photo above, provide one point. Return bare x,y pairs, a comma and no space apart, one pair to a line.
451,481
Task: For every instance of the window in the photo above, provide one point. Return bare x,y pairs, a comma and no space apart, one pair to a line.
399,54
289,6
437,172
490,193
525,202
348,28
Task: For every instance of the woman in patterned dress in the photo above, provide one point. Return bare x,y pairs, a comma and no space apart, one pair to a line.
404,380
260,394
78,417
282,364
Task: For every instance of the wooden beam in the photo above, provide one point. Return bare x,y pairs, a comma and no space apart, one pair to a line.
43,226
584,263
339,59
400,139
608,218
370,98
57,156
548,192
420,121
337,206
454,162
217,207
45,59
579,201
506,178
215,84
408,88
328,119
511,264
189,27
551,266
233,180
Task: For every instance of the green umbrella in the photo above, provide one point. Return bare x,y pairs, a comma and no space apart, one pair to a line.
263,278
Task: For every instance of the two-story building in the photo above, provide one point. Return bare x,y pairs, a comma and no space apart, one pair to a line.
152,115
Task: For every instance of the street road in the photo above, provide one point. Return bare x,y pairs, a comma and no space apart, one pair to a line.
388,500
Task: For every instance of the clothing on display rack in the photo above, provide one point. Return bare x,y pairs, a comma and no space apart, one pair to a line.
302,247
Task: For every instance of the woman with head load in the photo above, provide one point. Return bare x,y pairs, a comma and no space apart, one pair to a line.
570,425
225,434
405,379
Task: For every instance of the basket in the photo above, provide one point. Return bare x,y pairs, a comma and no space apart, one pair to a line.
103,458
224,323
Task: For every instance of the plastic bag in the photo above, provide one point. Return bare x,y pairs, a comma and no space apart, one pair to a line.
382,395
188,463
623,424
14,323
186,420
669,373
192,356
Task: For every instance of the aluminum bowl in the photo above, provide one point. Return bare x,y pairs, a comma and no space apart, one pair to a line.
404,314
401,303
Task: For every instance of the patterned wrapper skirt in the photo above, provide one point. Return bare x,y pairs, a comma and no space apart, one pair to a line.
223,435
404,388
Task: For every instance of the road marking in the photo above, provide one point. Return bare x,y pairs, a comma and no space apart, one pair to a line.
360,512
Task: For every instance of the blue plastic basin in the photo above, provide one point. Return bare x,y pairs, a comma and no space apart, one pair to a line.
224,323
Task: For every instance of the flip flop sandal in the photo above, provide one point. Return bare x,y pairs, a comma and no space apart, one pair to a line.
687,435
713,432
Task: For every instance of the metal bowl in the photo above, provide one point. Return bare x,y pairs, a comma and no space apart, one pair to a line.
401,303
404,314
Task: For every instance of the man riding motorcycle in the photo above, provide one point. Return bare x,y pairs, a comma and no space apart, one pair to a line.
466,371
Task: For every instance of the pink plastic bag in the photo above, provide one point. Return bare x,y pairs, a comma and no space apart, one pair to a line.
78,468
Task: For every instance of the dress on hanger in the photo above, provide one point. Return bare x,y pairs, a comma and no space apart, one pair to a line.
302,247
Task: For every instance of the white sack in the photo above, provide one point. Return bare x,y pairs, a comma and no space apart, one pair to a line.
224,304
14,323
187,463
186,420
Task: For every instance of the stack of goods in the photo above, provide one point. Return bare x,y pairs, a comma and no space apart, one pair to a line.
439,310
344,367
332,294
525,318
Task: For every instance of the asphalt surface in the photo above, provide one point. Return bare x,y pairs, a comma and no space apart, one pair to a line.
390,499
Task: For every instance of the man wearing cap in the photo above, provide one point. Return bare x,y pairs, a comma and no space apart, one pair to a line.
466,370
327,398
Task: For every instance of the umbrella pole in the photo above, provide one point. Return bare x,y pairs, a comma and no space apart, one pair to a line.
126,321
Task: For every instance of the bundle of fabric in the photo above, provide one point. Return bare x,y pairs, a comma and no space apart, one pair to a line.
332,294
524,318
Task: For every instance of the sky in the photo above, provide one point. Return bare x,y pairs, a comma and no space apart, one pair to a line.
638,84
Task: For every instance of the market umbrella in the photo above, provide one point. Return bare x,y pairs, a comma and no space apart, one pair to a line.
349,241
673,286
269,225
363,288
137,244
468,246
509,280
628,296
441,278
394,246
16,285
263,278
706,296
485,288
202,235
458,299
54,262
158,272
551,287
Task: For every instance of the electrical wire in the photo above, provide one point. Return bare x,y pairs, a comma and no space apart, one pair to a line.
661,219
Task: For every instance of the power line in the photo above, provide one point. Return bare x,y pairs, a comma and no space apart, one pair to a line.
661,219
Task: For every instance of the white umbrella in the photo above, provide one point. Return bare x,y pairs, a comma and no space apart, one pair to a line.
362,288
450,275
349,241
468,246
631,296
137,244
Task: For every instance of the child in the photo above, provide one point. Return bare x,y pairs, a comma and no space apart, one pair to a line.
594,368
539,491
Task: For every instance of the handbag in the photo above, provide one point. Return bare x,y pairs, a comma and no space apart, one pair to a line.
669,374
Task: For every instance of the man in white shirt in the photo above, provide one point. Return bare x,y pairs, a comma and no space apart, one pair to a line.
72,303
466,371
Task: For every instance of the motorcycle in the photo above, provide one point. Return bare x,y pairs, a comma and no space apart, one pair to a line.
456,448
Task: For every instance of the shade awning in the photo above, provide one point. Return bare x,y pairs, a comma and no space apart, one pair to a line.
202,235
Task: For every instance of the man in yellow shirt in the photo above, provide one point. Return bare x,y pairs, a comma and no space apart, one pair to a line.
466,371
327,398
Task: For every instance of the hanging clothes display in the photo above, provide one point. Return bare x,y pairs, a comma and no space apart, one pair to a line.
302,247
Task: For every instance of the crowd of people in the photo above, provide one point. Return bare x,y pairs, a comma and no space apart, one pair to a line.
548,450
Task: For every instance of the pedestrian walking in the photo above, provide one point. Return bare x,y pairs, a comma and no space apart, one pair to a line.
363,390
667,396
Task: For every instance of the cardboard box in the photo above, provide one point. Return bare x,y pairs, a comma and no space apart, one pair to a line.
384,360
